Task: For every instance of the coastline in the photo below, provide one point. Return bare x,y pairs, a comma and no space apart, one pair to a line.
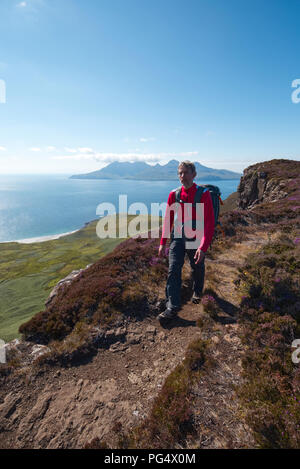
41,239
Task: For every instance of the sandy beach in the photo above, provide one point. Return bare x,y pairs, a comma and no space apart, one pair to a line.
39,239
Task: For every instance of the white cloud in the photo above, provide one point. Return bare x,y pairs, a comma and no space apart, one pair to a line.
70,150
36,149
2,149
86,150
122,157
22,4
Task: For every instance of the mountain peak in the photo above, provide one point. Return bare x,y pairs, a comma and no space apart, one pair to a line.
141,170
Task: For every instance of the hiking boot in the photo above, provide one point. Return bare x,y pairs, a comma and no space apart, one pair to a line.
196,298
167,314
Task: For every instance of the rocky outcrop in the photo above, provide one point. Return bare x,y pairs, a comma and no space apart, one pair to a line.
256,187
65,281
21,353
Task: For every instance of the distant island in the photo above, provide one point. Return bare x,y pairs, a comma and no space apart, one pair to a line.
142,171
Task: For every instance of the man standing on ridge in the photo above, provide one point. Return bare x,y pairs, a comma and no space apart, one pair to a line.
178,248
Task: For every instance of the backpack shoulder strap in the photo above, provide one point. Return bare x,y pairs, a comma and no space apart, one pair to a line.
177,194
199,192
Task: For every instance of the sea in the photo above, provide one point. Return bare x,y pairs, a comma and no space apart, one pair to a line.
40,207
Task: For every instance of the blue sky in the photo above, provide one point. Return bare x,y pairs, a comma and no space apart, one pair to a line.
88,82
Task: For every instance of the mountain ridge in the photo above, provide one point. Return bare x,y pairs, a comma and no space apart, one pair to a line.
140,170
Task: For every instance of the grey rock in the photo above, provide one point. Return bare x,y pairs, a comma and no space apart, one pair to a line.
65,281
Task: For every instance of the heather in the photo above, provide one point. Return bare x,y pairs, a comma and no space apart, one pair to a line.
270,321
123,284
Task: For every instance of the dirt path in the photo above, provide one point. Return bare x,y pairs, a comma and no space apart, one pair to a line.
67,407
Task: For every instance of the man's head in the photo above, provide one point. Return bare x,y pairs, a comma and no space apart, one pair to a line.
187,173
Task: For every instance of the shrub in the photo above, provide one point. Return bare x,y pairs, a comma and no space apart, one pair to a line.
111,288
210,306
269,319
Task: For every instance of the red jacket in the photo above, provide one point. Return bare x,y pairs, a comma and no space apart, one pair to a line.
209,218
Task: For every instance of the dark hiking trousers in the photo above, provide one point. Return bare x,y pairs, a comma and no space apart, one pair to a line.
177,253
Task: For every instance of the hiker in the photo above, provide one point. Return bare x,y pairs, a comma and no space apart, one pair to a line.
178,245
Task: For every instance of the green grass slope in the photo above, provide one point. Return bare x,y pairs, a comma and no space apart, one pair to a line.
28,272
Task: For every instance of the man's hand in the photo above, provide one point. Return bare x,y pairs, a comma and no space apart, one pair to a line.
199,256
162,250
